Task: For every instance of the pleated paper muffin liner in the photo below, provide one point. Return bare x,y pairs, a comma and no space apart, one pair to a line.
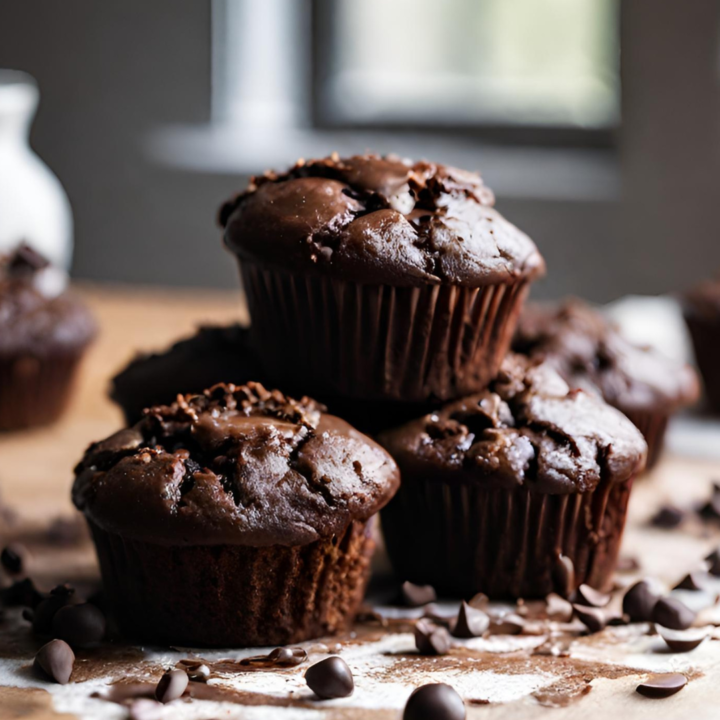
233,595
652,424
35,390
378,342
466,538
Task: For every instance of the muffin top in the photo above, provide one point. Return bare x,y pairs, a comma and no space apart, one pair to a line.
214,354
36,315
528,428
379,220
704,300
589,352
235,465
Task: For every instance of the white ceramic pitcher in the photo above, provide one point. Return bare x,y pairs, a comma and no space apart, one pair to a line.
33,204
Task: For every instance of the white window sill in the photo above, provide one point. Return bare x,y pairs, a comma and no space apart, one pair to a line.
563,174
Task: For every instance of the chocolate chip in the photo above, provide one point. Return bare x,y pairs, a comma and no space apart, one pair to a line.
12,559
436,701
25,261
417,595
480,601
196,670
682,641
55,660
558,608
21,593
171,686
59,597
330,678
279,657
470,622
593,618
639,601
662,686
671,613
711,509
713,561
627,564
508,624
587,595
431,639
693,581
564,576
79,625
667,517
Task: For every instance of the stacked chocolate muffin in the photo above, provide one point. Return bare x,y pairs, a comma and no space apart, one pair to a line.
390,291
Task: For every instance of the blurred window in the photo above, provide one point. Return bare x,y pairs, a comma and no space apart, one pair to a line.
521,63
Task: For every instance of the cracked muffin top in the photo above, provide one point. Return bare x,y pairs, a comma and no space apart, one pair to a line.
37,314
234,465
590,353
379,220
528,428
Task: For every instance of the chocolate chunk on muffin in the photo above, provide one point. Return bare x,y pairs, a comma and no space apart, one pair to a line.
214,354
235,517
390,280
505,488
44,331
701,307
590,353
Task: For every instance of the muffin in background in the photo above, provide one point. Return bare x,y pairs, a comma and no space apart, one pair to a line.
44,332
701,308
590,353
214,354
377,278
236,517
516,491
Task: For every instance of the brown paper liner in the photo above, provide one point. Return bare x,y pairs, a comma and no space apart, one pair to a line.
378,342
653,426
464,539
35,390
705,334
232,595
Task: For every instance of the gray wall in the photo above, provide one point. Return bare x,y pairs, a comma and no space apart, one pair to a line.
109,72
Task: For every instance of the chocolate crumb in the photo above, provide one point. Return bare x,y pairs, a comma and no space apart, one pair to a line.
662,685
431,639
279,657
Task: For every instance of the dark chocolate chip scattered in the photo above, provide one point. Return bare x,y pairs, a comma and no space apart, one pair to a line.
59,597
12,559
639,601
587,595
55,660
196,670
711,509
481,601
436,701
21,593
662,686
432,612
25,261
368,615
713,561
330,678
671,613
667,517
558,608
279,657
171,686
593,618
627,564
508,624
79,625
470,622
431,639
681,641
693,581
564,576
417,595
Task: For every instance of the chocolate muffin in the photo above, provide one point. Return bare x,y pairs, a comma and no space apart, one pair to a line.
389,280
590,353
701,308
235,517
44,331
214,354
516,491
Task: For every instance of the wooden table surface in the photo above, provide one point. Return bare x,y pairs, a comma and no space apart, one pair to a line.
35,478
